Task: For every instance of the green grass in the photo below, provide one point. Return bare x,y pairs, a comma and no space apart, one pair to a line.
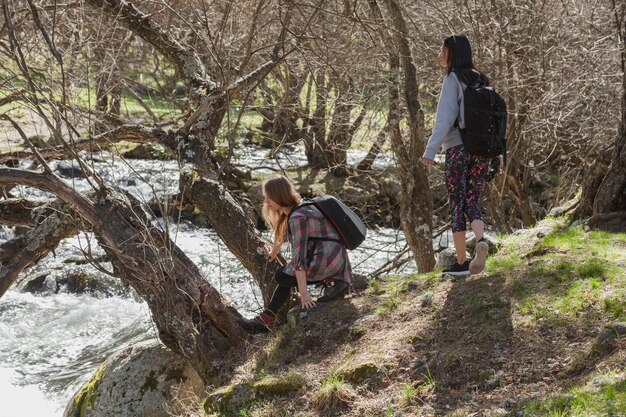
607,398
390,300
503,265
593,268
615,306
572,274
331,380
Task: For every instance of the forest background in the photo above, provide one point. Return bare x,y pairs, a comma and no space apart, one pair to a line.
199,81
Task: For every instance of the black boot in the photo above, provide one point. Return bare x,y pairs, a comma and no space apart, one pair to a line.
334,291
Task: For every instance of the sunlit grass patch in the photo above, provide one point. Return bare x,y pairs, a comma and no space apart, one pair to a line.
391,299
500,265
605,395
593,268
566,239
390,291
615,305
577,241
333,395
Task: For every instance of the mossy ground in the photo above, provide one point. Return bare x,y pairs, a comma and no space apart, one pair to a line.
518,338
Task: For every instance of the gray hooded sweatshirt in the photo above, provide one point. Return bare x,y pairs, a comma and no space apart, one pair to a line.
444,135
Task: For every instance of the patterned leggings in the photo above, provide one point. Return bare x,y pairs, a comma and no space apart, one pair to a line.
465,177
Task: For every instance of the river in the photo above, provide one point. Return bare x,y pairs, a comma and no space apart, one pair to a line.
51,343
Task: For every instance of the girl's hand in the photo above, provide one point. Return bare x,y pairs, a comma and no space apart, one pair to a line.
306,301
427,162
271,251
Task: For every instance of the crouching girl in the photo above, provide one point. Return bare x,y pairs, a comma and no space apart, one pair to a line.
317,254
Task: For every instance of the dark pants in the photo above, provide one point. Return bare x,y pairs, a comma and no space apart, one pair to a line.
281,294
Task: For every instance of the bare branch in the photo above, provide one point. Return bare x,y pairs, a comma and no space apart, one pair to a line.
19,212
182,56
27,141
10,98
129,133
18,253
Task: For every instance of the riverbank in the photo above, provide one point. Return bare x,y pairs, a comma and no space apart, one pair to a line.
537,334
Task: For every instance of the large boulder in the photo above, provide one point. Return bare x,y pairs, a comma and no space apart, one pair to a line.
72,281
140,381
447,258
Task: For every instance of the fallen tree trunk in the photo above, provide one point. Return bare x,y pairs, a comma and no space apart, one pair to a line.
192,317
24,250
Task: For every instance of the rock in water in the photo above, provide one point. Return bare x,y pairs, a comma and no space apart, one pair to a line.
136,382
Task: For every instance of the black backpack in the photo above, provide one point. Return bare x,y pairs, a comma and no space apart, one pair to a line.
345,221
485,121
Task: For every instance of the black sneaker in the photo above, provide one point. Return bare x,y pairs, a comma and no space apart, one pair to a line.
458,270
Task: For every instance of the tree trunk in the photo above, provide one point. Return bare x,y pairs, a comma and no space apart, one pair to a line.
192,317
611,195
315,142
416,206
610,184
53,224
236,230
366,164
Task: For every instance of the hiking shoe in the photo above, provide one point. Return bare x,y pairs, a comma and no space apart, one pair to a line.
480,257
260,324
333,291
458,270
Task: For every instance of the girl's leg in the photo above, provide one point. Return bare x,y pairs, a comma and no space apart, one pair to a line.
281,293
477,168
478,227
459,246
455,171
476,173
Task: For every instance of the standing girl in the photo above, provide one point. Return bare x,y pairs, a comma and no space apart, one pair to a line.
465,173
317,256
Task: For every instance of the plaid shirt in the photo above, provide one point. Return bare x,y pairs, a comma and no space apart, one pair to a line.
321,259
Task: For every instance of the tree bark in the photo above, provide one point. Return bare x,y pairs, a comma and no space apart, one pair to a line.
19,212
610,182
236,230
611,195
366,164
416,206
192,317
18,253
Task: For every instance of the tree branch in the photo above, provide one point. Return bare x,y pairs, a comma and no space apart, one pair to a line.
19,212
18,253
182,56
11,98
130,133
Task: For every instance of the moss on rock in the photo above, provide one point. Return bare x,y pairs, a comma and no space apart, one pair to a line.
86,396
236,395
218,399
359,374
273,386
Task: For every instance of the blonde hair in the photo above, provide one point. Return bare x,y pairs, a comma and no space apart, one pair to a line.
280,190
